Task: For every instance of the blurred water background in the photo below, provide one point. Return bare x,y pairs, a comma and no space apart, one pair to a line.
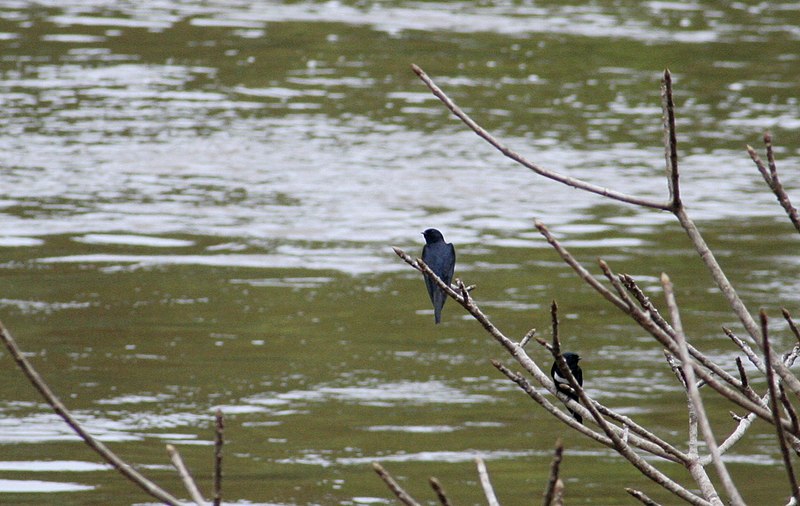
198,200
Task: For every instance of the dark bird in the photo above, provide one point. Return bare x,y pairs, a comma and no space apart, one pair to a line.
561,382
440,256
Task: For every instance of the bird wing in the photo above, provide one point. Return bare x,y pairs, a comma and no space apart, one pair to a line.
450,267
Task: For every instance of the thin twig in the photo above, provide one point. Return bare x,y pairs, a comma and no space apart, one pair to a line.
742,373
440,493
396,489
219,441
773,181
697,401
773,402
787,406
656,317
641,497
746,349
788,317
186,477
98,447
553,479
526,338
569,181
670,140
486,484
615,282
582,272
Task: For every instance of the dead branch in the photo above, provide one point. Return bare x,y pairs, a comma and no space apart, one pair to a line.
773,402
396,489
569,181
773,181
700,412
440,493
98,447
219,440
641,497
186,477
553,492
695,369
486,484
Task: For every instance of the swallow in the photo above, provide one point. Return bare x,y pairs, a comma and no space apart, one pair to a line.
440,256
561,382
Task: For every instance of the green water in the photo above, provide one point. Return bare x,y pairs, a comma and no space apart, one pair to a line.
198,201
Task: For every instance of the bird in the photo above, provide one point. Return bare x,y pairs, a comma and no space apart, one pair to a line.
561,382
440,256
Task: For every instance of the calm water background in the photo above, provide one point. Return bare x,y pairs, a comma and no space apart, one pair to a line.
198,200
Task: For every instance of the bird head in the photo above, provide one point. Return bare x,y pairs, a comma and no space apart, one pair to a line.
432,235
572,359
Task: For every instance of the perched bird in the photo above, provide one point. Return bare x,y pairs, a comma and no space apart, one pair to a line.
561,382
440,256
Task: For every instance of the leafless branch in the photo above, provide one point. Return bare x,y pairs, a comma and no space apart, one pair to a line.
440,493
694,395
552,494
486,484
695,370
788,317
396,489
569,181
582,272
219,441
641,497
773,181
98,447
620,444
526,338
670,139
751,355
186,477
773,402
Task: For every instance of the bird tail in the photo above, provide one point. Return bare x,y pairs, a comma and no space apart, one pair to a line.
439,297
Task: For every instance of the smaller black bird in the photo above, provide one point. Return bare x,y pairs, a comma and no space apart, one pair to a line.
440,256
561,382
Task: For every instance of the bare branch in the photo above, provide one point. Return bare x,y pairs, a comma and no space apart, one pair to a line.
787,406
440,493
615,282
526,338
98,447
396,489
670,139
656,317
488,490
654,446
742,373
219,440
738,307
788,317
620,444
751,355
773,181
579,269
569,181
773,402
641,497
186,477
694,395
552,494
